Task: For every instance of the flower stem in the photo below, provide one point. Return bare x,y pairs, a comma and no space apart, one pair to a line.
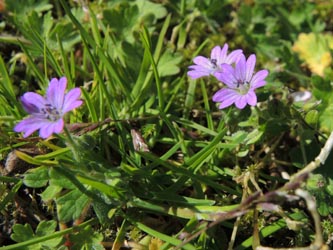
72,144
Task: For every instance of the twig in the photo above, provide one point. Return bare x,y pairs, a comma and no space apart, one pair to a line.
274,197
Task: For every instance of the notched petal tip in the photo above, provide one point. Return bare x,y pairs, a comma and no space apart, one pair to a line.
72,100
240,103
56,91
216,53
202,61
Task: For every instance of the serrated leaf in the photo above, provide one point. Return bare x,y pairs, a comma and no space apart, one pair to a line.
121,20
22,232
168,64
23,8
88,238
314,182
59,180
45,228
101,209
71,205
50,192
314,49
147,8
69,36
37,177
312,118
323,91
323,208
329,187
326,118
126,18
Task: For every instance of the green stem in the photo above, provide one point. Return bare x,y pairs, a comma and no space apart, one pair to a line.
72,144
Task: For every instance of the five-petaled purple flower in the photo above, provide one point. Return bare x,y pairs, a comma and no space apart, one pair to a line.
210,66
46,113
240,83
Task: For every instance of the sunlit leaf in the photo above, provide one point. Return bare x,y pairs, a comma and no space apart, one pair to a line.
314,49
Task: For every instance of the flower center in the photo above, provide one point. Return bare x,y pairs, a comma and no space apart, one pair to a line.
213,62
51,113
243,87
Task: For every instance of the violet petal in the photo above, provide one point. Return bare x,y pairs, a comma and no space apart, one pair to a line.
56,92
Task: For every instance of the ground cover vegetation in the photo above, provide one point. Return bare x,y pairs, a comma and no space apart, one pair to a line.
200,124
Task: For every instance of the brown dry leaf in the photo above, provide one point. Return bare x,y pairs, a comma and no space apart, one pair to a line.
314,50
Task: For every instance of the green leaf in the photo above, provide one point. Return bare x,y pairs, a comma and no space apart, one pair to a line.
315,182
323,91
168,64
50,192
32,160
312,118
58,179
37,177
254,136
323,208
102,187
71,205
22,232
52,154
205,154
126,18
326,118
31,243
47,228
147,8
22,8
88,238
329,187
102,209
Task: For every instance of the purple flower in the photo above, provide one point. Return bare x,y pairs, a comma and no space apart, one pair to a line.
240,83
46,113
209,66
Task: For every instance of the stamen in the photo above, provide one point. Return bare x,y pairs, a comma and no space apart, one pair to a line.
214,61
51,113
243,87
